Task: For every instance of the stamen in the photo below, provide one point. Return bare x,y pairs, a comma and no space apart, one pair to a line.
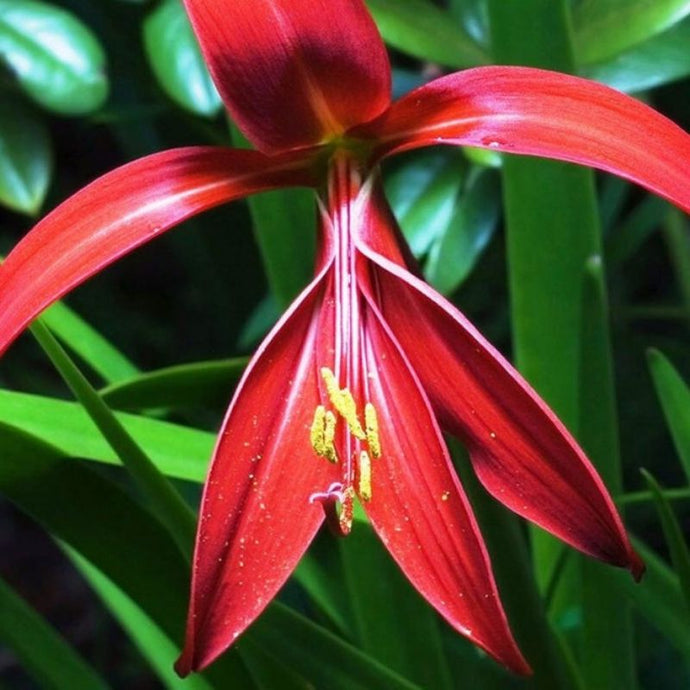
317,431
372,430
364,484
344,403
329,437
322,434
347,511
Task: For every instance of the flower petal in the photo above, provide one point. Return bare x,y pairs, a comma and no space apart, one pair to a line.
122,210
256,519
418,508
542,113
521,452
292,74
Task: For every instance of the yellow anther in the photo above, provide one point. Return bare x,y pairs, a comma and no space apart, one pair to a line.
364,483
316,433
329,437
343,402
322,434
372,430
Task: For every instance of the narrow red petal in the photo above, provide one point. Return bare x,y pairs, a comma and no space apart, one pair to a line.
293,73
542,113
419,510
256,519
122,210
521,452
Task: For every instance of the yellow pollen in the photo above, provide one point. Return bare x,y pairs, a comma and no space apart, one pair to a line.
316,433
322,434
372,430
343,402
364,484
329,437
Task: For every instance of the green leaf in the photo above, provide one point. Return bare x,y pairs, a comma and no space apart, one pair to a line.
105,525
607,639
426,31
470,228
323,658
550,206
181,386
604,28
680,556
505,540
319,573
657,61
131,548
176,60
677,235
178,451
380,602
84,340
55,58
42,652
422,191
285,230
169,506
26,157
262,318
152,642
659,600
635,230
674,396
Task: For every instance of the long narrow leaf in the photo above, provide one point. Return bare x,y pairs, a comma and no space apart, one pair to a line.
85,341
680,555
607,27
658,599
43,653
425,31
166,501
178,451
607,649
384,605
181,386
151,641
674,396
122,539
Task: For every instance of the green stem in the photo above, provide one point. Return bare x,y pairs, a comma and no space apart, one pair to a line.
165,501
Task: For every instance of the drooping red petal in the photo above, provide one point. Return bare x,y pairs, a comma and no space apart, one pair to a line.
122,210
521,452
256,519
542,113
419,509
292,73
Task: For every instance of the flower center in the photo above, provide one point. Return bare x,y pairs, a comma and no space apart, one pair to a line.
343,431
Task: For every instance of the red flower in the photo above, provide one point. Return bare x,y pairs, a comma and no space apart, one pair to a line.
346,398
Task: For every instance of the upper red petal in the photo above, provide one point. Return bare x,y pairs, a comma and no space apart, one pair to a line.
418,507
542,113
293,73
122,210
256,519
521,452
